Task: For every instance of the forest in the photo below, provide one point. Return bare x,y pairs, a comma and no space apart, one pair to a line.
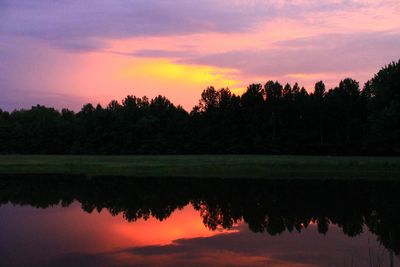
267,119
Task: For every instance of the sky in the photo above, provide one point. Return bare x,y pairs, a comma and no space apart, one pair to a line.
68,53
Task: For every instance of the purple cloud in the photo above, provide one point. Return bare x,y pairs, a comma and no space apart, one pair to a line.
67,23
157,53
332,53
81,19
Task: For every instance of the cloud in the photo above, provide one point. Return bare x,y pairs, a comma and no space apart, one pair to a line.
79,46
158,53
77,19
26,99
328,53
73,24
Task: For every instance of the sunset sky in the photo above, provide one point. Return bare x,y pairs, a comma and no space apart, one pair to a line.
68,53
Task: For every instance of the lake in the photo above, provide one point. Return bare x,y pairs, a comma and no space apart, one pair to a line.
120,221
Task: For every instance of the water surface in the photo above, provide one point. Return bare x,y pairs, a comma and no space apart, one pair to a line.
115,221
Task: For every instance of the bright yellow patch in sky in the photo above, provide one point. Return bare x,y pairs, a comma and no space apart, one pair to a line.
238,90
181,73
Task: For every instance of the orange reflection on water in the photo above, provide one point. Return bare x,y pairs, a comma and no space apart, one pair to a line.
71,237
185,223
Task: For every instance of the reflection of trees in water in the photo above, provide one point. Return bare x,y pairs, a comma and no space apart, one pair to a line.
266,206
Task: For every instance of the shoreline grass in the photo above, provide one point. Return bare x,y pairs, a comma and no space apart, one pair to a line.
217,166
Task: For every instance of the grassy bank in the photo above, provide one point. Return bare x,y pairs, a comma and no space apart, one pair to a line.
221,166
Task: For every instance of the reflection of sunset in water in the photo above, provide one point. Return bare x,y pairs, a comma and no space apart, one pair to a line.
63,236
185,223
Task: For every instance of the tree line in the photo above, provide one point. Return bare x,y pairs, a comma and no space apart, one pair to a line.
270,118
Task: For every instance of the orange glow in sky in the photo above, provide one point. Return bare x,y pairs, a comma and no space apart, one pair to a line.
71,53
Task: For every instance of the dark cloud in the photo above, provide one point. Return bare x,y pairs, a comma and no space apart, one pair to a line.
78,46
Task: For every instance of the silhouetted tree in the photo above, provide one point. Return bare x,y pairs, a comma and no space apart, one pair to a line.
383,93
319,109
